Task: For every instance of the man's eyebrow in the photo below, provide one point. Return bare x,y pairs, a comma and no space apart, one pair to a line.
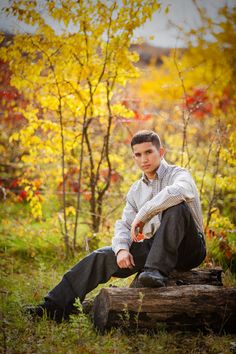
148,150
138,153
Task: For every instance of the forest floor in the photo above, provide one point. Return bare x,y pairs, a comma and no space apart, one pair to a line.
32,262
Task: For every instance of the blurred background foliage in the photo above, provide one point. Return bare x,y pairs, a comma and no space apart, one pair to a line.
70,103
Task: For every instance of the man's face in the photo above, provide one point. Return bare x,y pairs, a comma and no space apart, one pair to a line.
147,157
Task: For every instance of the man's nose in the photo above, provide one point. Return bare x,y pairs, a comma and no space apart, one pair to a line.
143,158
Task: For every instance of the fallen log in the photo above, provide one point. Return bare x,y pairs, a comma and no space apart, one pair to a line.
188,307
195,276
210,276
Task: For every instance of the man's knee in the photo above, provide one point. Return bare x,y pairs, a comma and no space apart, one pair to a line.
98,256
104,250
105,254
177,210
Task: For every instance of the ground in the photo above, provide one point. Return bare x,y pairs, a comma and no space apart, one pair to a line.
32,262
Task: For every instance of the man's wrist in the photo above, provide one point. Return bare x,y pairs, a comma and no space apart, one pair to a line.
116,247
140,217
122,249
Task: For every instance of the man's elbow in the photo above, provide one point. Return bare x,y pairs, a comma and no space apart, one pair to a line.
183,194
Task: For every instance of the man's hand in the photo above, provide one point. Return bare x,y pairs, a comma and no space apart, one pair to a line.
125,259
137,224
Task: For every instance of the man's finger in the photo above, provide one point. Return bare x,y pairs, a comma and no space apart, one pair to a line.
121,264
128,264
132,260
140,225
133,234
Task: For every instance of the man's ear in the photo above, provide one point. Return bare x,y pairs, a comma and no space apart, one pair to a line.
162,152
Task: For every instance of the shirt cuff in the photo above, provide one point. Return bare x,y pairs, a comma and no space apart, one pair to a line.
141,216
120,246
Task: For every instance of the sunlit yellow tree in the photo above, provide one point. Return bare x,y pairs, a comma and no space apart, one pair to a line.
69,72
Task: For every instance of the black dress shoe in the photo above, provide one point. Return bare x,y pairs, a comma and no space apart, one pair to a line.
152,278
35,311
50,310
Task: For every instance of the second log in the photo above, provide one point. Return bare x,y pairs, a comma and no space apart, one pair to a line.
187,307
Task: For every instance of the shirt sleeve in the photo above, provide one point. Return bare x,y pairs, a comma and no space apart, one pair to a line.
180,190
122,239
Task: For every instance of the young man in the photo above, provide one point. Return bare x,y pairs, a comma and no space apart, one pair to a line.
163,205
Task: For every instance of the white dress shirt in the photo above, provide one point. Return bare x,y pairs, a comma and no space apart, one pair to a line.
147,199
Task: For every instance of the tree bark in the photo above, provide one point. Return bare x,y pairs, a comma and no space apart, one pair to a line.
187,307
195,276
210,276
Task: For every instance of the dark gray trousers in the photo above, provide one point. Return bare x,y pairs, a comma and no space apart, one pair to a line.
176,245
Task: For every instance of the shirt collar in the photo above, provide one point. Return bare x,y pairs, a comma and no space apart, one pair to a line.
160,172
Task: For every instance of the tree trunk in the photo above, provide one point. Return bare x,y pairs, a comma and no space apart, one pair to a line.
187,307
210,276
195,276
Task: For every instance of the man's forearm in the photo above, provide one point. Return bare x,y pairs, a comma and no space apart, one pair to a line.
168,197
121,239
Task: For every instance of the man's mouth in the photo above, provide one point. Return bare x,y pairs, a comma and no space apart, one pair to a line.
146,166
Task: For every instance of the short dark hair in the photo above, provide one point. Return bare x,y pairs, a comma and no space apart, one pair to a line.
146,136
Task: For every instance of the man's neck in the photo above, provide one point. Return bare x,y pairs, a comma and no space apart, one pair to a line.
151,177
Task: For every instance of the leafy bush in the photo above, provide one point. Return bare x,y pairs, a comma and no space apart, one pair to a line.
221,242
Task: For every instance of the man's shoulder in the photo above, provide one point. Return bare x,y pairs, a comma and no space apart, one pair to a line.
174,172
136,185
173,169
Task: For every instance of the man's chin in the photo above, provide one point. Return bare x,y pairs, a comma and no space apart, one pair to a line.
149,171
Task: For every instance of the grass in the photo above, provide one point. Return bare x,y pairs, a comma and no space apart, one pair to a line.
32,262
